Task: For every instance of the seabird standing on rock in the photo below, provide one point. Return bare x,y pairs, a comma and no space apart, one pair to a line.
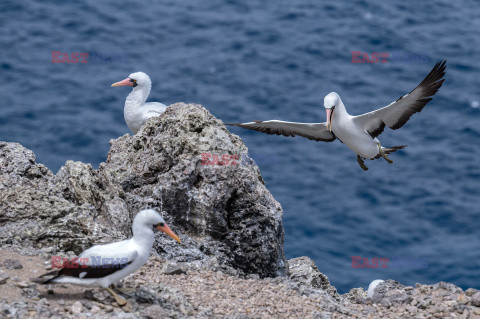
107,264
136,111
360,132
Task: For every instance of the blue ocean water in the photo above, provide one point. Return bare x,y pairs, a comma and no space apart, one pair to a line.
248,60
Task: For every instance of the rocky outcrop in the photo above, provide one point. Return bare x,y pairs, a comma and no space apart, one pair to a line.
33,212
391,299
304,271
225,216
223,213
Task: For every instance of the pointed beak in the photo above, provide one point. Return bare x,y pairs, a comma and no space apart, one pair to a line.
169,232
125,82
329,118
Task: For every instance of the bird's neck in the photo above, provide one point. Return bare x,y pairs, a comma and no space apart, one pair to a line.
143,236
340,109
137,97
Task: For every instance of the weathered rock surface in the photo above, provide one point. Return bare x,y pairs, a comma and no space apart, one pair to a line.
230,226
304,271
223,213
206,293
391,299
33,210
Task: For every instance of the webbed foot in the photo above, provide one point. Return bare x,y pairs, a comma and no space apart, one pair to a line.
119,299
123,290
383,154
361,163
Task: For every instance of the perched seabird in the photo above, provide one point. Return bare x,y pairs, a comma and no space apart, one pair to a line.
103,265
360,132
136,111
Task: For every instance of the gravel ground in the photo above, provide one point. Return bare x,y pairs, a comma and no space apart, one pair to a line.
164,290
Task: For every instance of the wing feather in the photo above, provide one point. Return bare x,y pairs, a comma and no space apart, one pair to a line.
312,131
396,114
121,249
91,271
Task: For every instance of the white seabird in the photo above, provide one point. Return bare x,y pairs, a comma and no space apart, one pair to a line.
106,264
360,132
136,111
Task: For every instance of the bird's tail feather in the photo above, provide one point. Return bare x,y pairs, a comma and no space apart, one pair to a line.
46,278
389,150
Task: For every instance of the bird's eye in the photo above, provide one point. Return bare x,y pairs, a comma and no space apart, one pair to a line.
160,224
132,80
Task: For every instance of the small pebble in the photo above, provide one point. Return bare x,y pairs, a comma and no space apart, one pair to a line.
476,299
153,312
22,284
77,308
173,270
471,291
463,299
128,307
3,277
12,264
48,250
95,309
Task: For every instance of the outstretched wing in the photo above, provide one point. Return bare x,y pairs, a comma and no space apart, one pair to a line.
312,131
399,112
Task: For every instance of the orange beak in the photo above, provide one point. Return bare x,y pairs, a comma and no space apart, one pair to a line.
125,82
169,232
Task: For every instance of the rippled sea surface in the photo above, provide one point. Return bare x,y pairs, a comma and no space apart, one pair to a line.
245,60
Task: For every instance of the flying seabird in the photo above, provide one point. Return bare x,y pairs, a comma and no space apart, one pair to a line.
136,111
103,265
359,132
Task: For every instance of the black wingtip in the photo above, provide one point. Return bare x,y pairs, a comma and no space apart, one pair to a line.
38,280
42,281
442,66
434,80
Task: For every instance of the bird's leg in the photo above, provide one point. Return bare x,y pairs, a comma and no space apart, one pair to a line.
120,300
383,154
361,163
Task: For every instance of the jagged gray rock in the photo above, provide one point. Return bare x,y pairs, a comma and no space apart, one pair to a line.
304,271
220,211
34,213
390,293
